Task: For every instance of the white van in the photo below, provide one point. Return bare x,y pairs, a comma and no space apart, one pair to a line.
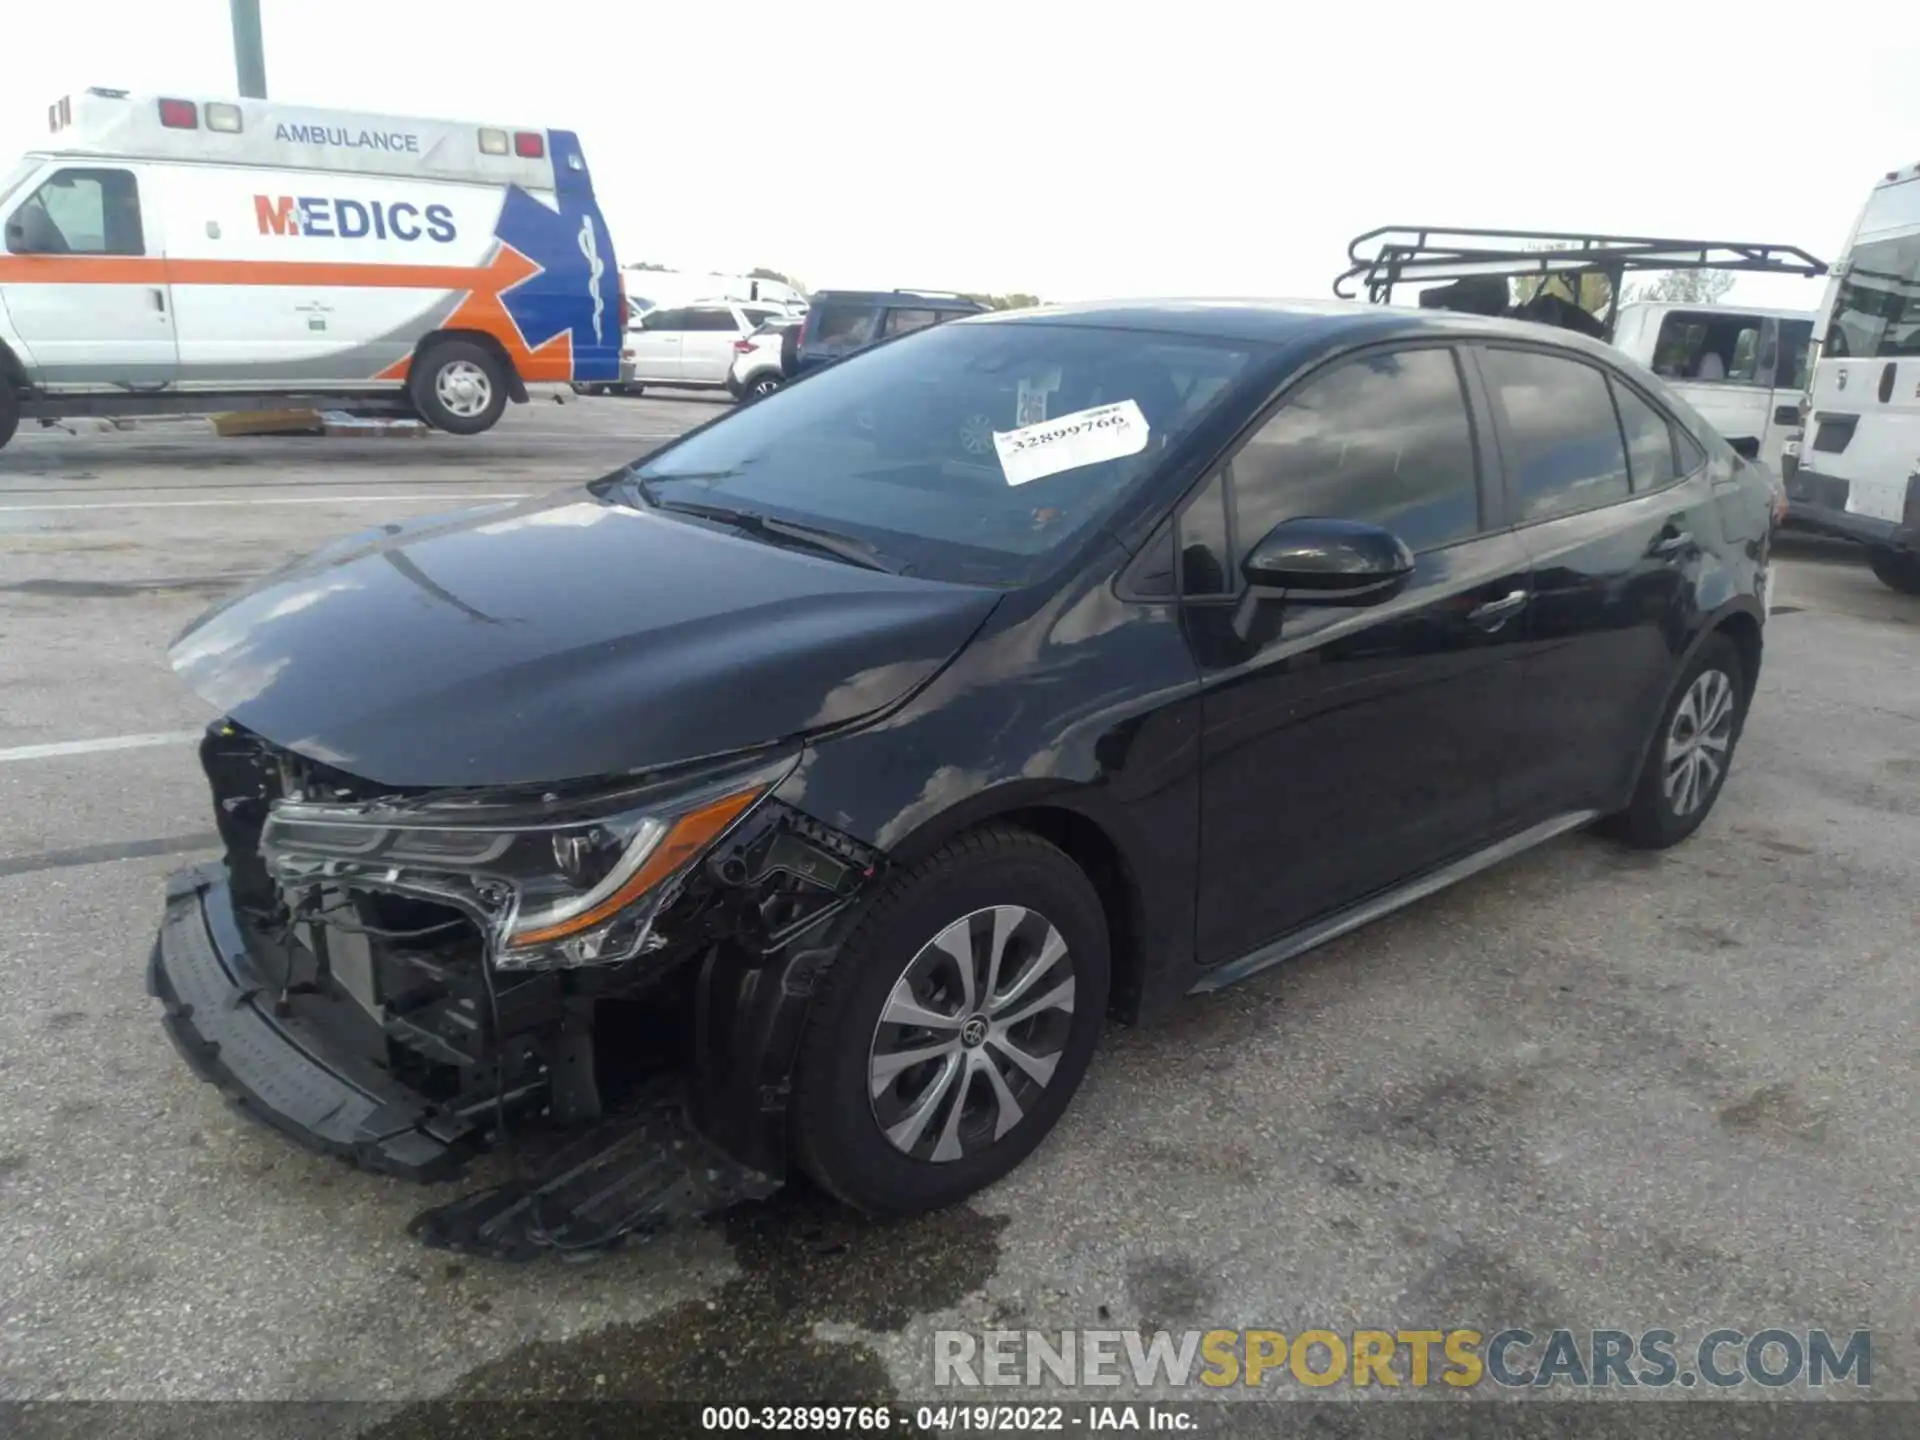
166,254
1743,369
1856,471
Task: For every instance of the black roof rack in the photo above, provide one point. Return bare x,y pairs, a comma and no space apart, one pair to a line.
1433,255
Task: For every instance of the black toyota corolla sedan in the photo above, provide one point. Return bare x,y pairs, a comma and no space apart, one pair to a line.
808,793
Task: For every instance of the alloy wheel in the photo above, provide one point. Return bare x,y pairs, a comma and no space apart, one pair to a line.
1698,742
971,1033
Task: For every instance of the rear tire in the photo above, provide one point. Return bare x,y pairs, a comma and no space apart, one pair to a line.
896,1136
1688,762
9,411
459,387
1895,569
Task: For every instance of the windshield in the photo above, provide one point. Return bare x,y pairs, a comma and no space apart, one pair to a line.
963,452
1877,310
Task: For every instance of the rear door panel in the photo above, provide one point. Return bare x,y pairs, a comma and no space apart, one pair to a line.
1614,587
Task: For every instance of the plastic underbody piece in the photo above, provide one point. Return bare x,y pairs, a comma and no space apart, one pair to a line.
634,1172
631,1176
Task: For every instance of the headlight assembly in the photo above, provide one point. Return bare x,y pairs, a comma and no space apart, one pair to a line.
553,883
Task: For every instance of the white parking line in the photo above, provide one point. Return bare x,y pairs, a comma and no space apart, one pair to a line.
257,500
92,747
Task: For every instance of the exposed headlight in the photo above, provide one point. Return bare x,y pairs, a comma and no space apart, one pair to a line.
554,883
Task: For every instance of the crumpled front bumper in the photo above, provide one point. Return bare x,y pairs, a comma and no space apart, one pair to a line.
285,1069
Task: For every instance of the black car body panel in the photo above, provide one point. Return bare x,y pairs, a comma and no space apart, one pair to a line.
1235,765
564,638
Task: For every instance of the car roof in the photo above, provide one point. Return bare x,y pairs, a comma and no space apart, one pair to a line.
1718,307
1291,323
920,299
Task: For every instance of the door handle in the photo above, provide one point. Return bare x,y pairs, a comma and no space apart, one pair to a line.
159,300
1669,546
1495,613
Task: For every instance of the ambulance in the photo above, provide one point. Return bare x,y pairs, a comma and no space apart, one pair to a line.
166,254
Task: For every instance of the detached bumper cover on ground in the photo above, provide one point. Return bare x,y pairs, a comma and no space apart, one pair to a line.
280,1069
644,1166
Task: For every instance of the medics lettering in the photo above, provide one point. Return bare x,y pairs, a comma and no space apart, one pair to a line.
339,219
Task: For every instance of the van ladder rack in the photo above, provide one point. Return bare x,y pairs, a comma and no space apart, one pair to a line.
1431,255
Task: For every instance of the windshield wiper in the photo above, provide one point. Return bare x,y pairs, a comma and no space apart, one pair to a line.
830,542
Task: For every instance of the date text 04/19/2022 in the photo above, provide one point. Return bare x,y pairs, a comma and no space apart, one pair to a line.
945,1419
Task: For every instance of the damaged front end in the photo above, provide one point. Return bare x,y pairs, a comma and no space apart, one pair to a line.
612,975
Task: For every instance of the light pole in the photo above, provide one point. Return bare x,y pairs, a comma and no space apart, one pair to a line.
249,55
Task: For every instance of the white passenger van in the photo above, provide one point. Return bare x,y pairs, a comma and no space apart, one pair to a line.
1856,470
1742,368
166,255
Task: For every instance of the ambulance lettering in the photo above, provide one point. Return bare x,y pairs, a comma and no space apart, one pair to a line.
337,218
342,138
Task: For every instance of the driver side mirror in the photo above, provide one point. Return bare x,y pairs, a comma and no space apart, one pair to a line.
1330,562
16,237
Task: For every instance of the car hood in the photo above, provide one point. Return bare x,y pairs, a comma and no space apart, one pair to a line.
562,638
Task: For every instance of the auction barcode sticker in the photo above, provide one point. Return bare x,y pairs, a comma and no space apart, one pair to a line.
1086,437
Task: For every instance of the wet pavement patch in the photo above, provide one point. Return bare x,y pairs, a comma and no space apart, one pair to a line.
804,1261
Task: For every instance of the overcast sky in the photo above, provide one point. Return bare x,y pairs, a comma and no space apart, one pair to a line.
1078,149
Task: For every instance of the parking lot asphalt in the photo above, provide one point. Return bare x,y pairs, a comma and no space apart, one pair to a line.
1589,1088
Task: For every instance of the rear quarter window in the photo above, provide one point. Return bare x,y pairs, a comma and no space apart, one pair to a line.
841,326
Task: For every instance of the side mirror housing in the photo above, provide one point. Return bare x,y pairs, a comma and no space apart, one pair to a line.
16,237
1333,561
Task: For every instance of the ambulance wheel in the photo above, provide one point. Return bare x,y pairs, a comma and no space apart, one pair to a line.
9,412
459,387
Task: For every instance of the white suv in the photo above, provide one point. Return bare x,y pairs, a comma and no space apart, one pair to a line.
759,361
689,346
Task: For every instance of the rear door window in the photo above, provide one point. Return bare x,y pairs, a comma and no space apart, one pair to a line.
842,326
664,320
711,319
1562,442
1384,438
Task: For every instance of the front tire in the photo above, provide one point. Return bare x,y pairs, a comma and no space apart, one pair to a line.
1688,762
954,1027
761,386
1896,569
459,387
9,411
